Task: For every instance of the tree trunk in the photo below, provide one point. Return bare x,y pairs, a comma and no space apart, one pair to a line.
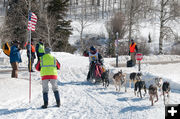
41,8
81,39
130,20
161,28
98,2
113,6
48,32
92,2
103,9
120,5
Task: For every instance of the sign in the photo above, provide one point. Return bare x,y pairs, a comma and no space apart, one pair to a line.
139,56
172,111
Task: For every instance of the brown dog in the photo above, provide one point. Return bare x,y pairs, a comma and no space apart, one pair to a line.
153,93
119,79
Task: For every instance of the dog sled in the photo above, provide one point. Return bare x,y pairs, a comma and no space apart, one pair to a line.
96,71
98,74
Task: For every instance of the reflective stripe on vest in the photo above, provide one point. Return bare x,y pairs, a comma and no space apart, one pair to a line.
48,65
93,57
41,48
132,47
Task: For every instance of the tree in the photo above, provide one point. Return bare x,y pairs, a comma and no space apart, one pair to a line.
133,11
15,26
58,27
165,17
51,26
117,24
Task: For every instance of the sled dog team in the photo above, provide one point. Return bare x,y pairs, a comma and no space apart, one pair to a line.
120,80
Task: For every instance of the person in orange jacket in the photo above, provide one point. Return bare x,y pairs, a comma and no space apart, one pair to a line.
33,56
133,50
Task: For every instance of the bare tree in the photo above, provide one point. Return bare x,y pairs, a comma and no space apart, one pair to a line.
84,23
102,9
119,25
165,17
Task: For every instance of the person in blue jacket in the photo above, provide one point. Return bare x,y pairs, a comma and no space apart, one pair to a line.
15,58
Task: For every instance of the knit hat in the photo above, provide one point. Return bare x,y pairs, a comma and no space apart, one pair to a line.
47,50
92,48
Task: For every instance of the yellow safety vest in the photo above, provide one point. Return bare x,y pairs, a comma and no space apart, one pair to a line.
48,65
41,48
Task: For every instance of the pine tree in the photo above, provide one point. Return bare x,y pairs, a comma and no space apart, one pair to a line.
15,26
51,26
61,29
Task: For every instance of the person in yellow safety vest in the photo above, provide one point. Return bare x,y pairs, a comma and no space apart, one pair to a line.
40,49
48,66
133,50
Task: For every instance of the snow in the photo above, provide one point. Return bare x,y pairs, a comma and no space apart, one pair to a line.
81,99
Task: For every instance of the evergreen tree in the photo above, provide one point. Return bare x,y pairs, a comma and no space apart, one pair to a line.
51,25
60,29
15,26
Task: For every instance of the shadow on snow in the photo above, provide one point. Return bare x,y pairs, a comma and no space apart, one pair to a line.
6,111
135,108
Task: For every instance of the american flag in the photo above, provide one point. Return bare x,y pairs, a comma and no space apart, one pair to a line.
32,21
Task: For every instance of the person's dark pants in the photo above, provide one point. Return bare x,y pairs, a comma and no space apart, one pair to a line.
30,64
14,70
91,70
38,58
88,76
39,55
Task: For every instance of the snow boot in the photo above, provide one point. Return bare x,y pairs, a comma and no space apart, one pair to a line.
45,98
56,94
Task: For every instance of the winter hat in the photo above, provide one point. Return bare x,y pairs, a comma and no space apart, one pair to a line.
47,50
92,48
16,41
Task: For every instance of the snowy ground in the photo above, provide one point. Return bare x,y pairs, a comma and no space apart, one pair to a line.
80,99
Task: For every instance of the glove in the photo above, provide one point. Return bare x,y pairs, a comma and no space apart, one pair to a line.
101,63
85,52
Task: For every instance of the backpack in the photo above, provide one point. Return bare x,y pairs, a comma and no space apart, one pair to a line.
6,49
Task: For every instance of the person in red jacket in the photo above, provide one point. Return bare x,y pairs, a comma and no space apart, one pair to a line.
133,50
48,66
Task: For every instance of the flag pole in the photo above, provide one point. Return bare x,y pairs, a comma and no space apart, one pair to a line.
29,55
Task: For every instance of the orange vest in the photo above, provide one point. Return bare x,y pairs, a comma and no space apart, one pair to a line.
32,48
132,47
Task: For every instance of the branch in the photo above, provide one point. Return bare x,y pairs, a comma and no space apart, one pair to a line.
164,4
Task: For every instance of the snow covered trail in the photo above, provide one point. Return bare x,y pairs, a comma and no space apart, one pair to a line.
81,99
